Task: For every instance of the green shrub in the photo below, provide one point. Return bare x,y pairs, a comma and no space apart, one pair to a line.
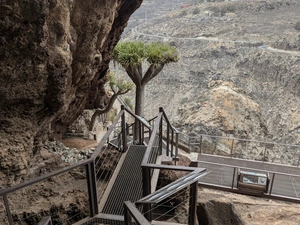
184,100
128,103
196,11
297,26
111,114
223,9
183,13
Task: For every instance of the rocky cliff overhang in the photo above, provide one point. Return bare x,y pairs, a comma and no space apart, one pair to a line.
54,55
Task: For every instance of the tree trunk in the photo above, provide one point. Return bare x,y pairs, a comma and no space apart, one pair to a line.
139,100
139,108
98,112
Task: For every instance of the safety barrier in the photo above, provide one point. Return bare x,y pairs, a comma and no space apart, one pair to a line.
84,184
242,148
282,183
173,196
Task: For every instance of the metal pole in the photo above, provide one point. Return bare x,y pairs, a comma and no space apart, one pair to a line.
176,149
193,203
10,219
271,188
92,188
200,144
143,133
160,136
189,144
234,171
124,133
168,139
140,132
172,142
265,152
146,191
127,216
127,129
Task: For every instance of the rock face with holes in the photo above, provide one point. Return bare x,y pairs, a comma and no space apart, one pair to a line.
54,55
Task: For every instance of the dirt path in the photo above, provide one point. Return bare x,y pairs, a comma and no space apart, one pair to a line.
79,143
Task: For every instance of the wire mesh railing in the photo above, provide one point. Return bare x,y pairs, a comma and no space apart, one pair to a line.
170,202
175,208
174,203
281,185
105,165
242,148
63,197
82,185
71,193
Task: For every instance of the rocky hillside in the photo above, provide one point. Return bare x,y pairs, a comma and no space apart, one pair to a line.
54,55
239,69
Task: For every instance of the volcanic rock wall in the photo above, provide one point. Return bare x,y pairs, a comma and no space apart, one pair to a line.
54,55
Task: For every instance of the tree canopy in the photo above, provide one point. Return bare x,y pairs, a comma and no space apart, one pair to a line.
133,55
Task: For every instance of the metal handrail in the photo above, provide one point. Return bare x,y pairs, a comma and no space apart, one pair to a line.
152,139
247,168
188,143
136,117
235,167
44,177
88,163
147,166
238,139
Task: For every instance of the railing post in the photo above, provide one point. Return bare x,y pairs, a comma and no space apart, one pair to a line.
193,203
271,188
10,219
140,132
150,131
143,132
200,144
234,171
127,217
189,144
92,188
124,129
160,136
176,147
168,139
134,131
146,191
172,142
127,129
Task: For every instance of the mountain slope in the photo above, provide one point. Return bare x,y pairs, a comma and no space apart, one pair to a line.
227,46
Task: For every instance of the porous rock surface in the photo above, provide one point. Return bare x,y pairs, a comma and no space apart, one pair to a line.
54,55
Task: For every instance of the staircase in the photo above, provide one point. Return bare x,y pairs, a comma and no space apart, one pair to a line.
128,183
